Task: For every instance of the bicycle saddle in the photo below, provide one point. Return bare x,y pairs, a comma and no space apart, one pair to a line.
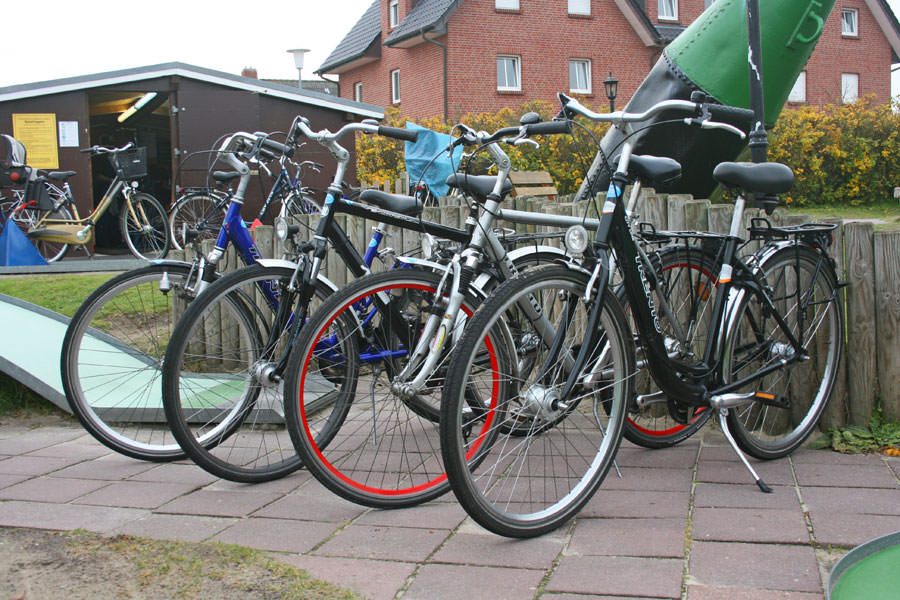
398,203
60,175
768,178
654,169
225,176
477,185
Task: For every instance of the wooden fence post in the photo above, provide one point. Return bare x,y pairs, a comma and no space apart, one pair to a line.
861,338
837,413
675,213
887,320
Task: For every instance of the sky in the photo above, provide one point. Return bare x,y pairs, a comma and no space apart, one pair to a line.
104,35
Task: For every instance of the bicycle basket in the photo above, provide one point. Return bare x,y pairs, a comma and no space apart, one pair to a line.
12,162
130,164
36,190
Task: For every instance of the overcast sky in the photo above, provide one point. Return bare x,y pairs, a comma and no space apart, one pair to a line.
62,38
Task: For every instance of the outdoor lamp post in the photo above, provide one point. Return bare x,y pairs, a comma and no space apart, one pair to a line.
612,90
299,54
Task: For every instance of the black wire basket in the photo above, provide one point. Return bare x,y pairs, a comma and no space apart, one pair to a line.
131,163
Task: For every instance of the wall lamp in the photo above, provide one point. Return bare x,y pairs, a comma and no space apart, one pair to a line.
141,103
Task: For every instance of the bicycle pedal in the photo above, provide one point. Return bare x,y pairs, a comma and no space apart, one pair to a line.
776,400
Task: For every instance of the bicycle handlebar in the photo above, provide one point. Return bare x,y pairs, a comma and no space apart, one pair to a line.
95,149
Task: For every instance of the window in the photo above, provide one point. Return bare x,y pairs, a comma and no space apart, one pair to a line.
798,92
506,4
394,13
707,3
395,86
509,73
849,22
357,91
580,76
668,10
579,7
849,87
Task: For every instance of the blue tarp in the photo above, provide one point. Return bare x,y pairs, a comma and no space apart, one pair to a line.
16,250
419,155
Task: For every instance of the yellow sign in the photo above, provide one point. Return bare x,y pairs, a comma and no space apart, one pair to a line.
38,132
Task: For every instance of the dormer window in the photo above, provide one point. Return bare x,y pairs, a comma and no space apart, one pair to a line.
668,10
394,13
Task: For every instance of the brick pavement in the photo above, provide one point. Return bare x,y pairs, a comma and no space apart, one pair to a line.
683,523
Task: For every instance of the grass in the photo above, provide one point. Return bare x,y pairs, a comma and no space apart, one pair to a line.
888,211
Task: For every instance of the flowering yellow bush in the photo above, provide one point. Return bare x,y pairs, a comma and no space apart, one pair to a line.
565,157
841,154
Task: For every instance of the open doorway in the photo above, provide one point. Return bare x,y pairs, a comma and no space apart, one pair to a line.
117,118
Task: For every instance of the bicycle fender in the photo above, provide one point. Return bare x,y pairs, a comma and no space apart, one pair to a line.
422,263
278,262
513,255
174,263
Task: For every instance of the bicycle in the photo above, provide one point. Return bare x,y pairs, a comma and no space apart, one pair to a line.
23,208
256,368
774,328
114,344
142,219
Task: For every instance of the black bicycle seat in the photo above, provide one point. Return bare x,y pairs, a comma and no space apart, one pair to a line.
477,185
60,175
225,176
768,178
398,203
654,169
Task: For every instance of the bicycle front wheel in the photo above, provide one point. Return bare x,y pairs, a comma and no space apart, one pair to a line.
145,227
222,389
202,212
804,291
524,459
111,357
352,412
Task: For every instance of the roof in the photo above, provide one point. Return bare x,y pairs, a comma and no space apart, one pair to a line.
258,86
887,21
426,15
357,41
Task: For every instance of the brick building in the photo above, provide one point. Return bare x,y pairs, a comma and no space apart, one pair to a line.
447,57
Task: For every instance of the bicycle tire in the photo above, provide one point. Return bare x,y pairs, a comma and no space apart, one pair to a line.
754,341
687,277
51,251
111,355
203,212
534,463
378,446
148,237
224,419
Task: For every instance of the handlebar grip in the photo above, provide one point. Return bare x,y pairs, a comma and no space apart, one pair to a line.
279,148
86,150
401,134
502,133
266,154
732,113
548,128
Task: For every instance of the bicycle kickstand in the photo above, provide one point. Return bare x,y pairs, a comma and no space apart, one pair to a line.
723,423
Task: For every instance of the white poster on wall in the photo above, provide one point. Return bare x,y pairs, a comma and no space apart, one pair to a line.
68,134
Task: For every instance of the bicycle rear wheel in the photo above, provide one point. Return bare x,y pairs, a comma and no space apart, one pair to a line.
526,460
145,227
222,396
111,356
375,442
804,291
201,211
27,216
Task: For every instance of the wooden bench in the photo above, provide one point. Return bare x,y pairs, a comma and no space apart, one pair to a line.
533,183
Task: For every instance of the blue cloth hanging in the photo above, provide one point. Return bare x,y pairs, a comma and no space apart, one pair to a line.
419,154
16,250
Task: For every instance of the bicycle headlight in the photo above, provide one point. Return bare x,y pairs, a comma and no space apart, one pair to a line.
282,229
429,245
576,239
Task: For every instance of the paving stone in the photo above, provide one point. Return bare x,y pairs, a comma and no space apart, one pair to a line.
766,566
282,485
451,582
487,549
750,525
317,504
773,472
136,494
852,476
111,467
702,592
679,457
429,515
632,503
44,515
217,504
733,495
176,473
848,530
373,579
590,597
278,535
384,543
861,501
81,449
50,489
662,537
616,575
33,466
805,456
648,479
183,528
8,480
27,441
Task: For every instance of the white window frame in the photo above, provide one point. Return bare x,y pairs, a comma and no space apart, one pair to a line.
357,91
660,4
394,13
854,21
588,76
506,4
580,7
395,86
707,3
517,63
849,88
798,92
